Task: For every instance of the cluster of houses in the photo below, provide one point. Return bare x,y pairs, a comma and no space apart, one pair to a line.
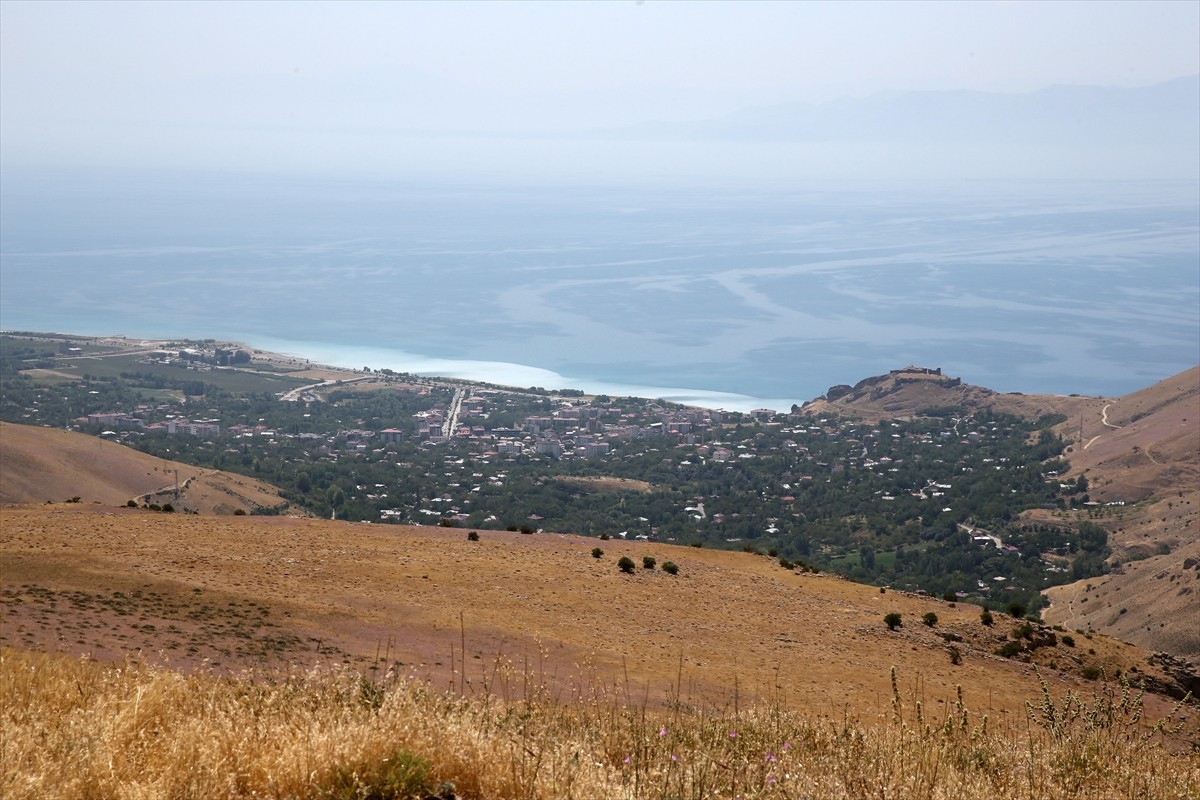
116,420
573,430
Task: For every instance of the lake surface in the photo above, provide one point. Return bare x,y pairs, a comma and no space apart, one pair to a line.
726,296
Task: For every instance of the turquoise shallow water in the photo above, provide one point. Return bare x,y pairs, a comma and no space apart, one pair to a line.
726,296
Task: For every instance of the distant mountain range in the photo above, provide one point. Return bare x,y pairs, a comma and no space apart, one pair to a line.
1166,115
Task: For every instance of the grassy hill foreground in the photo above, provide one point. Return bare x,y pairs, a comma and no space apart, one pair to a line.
156,655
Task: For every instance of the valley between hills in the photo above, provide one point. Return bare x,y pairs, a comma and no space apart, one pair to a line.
94,564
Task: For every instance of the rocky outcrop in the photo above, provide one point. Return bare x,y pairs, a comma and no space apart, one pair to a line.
1182,677
838,392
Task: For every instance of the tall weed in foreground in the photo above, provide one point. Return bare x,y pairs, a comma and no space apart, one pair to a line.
74,729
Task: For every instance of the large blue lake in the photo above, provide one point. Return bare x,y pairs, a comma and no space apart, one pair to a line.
723,296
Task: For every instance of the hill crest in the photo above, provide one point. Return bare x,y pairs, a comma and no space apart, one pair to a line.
913,391
40,465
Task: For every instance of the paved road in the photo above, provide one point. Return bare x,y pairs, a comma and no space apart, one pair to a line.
451,423
295,394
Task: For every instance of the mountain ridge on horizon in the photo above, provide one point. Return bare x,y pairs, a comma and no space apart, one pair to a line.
1101,111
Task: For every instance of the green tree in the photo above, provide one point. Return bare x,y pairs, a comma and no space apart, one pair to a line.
335,497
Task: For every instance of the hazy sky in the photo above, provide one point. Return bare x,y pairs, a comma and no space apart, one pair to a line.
281,83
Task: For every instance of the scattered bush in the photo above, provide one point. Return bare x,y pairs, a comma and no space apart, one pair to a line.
892,620
402,775
949,597
1023,631
1008,649
986,617
472,536
131,504
697,544
241,512
604,537
446,522
625,564
648,562
783,562
955,654
525,529
1068,640
168,508
597,552
157,507
929,618
1016,610
772,552
671,568
1091,673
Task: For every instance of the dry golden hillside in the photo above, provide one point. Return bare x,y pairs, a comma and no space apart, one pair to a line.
1141,445
40,465
236,591
1142,451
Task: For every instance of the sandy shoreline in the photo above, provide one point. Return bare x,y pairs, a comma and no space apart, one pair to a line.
320,365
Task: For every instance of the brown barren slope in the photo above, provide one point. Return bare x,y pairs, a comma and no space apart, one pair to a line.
46,464
905,392
1142,450
235,591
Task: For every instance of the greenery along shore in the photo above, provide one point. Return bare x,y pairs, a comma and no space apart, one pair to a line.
927,503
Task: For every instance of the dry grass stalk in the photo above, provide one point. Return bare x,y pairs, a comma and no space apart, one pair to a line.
78,729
